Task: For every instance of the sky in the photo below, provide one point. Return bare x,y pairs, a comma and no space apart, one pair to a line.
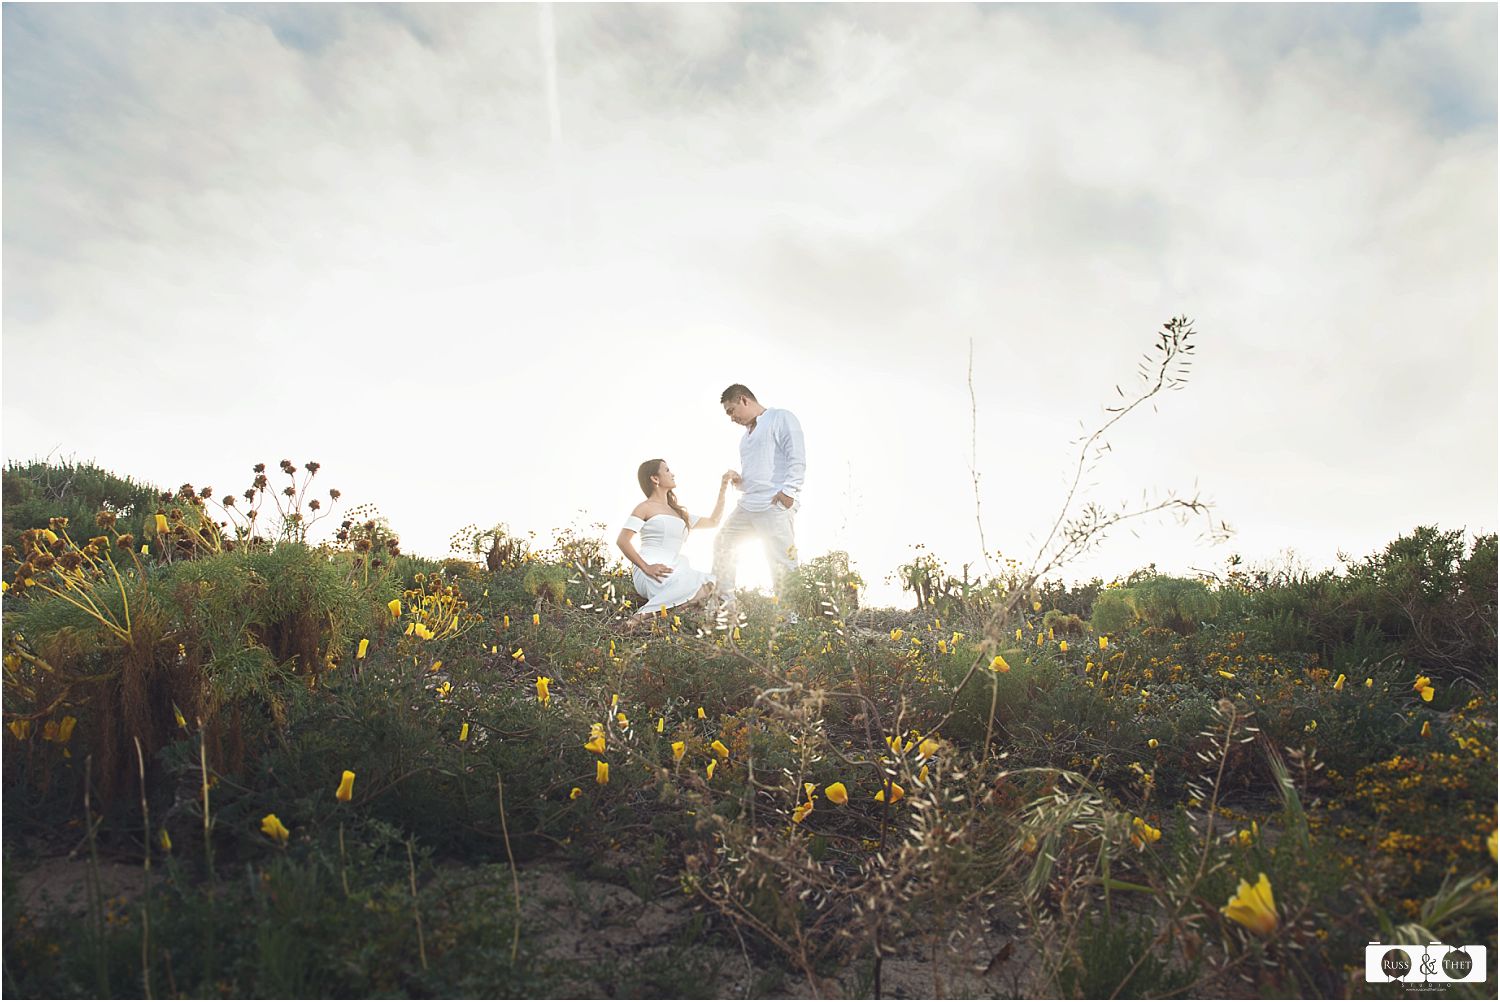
481,261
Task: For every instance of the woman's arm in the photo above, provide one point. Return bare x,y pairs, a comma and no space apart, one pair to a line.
653,571
713,520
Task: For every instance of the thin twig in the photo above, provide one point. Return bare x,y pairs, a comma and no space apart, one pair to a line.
515,880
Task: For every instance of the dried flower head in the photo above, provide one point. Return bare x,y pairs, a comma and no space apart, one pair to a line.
105,520
288,468
313,467
126,542
260,468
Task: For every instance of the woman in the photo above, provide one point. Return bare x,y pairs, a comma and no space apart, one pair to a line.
662,575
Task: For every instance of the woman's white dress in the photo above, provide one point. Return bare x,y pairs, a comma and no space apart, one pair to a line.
661,539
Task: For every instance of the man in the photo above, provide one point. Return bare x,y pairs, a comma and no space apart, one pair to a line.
772,463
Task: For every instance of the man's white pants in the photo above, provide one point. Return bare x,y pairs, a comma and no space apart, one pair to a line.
774,529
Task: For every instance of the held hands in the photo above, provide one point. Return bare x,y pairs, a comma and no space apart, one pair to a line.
729,477
656,572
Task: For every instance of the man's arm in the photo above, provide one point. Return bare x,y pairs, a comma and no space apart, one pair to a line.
790,440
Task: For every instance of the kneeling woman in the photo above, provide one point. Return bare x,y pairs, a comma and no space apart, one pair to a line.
662,575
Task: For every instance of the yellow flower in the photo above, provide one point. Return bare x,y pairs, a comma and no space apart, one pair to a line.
1144,833
1036,607
345,792
271,825
1104,678
922,776
575,793
1310,726
1427,692
1494,843
678,750
928,747
614,701
595,744
701,714
161,523
395,606
409,628
1421,683
65,729
20,728
1244,837
719,749
444,689
1039,640
506,621
1339,685
364,647
601,773
942,647
1152,743
896,634
177,716
536,619
661,722
1369,683
436,665
1029,844
712,764
543,690
1253,907
1018,633
1426,728
1063,646
836,793
997,663
463,733
1225,674
896,793
801,811
1104,643
165,840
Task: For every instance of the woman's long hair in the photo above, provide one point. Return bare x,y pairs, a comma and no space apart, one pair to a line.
649,469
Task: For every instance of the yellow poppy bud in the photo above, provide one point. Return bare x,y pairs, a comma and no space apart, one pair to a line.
364,646
836,793
436,665
536,619
713,764
409,628
998,663
595,745
896,793
1152,743
271,825
928,747
1369,683
922,776
701,714
678,750
660,724
345,792
20,728
395,606
1018,633
1225,674
145,550
165,840
177,716
1104,643
623,720
1426,728
942,647
719,749
1104,678
65,729
1063,646
519,654
543,690
896,634
506,621
601,773
1338,686
161,523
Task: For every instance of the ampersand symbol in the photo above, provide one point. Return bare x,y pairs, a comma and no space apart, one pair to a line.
1429,966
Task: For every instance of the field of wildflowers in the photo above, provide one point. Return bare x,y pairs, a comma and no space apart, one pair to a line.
337,769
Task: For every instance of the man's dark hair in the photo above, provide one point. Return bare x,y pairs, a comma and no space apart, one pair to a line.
735,392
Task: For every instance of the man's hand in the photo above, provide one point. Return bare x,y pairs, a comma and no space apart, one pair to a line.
656,572
784,499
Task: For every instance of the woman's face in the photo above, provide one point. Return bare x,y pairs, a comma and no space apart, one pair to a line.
664,477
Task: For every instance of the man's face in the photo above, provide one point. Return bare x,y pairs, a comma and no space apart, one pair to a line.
739,410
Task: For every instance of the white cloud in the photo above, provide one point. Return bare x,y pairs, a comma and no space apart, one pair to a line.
346,232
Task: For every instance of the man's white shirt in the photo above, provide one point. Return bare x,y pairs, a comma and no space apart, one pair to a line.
773,460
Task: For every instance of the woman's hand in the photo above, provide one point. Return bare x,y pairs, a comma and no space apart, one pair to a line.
656,572
729,477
